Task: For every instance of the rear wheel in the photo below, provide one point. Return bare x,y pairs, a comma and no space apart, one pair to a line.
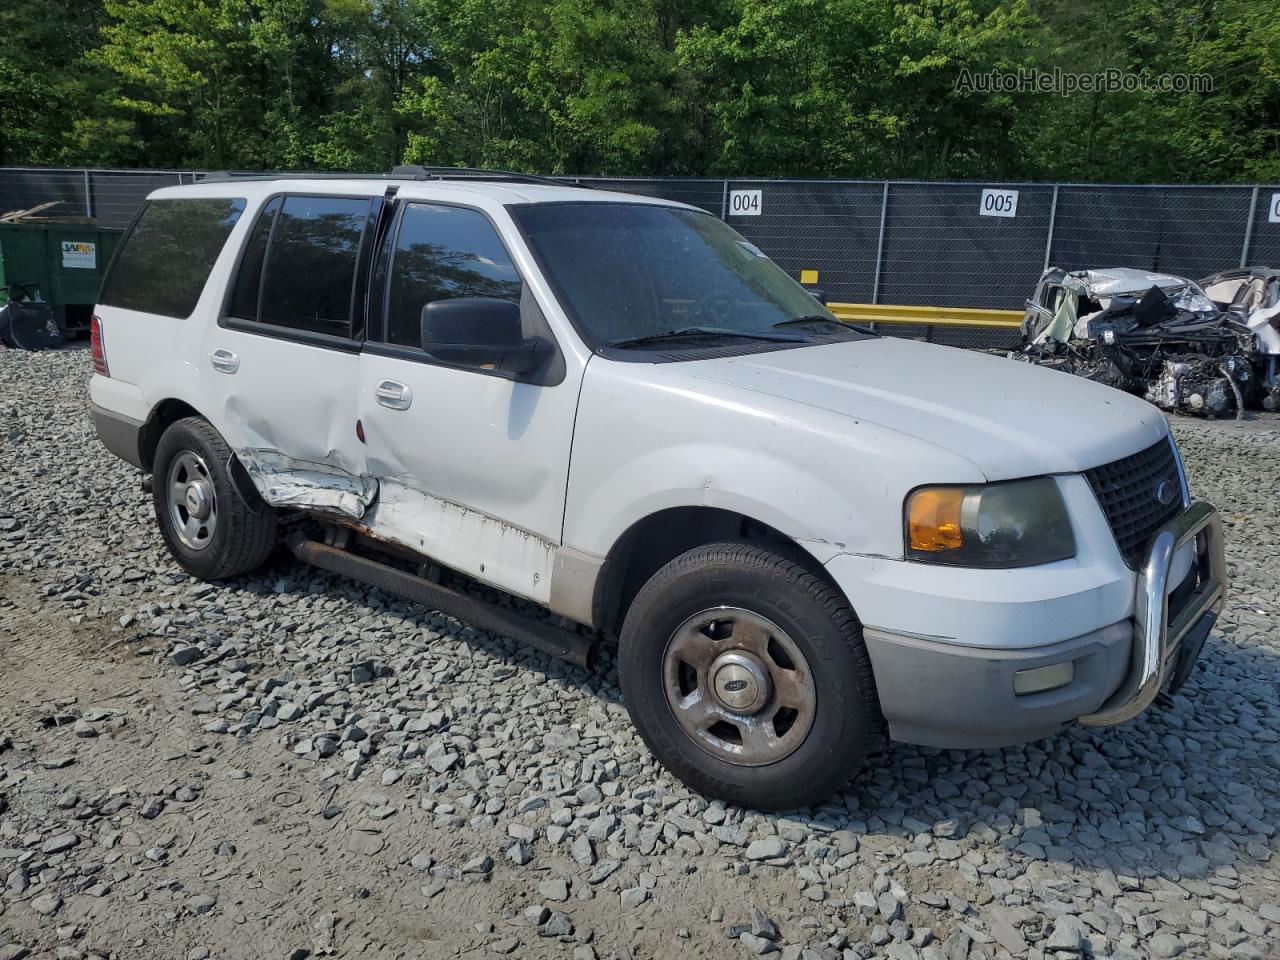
212,528
747,677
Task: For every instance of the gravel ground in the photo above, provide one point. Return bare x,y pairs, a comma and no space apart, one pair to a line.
290,765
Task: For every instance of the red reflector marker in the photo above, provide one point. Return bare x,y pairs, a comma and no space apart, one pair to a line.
99,351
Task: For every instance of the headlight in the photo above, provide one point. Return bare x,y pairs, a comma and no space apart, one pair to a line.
1013,524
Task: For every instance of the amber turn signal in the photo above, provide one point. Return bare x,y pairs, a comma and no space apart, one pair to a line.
933,519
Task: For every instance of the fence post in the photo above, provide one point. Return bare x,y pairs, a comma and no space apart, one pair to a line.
884,209
724,200
1048,240
1248,228
88,197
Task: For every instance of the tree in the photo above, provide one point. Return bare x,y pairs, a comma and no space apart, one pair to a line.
862,88
42,77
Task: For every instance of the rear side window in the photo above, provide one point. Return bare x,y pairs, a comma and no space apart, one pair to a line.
307,281
244,298
164,262
444,252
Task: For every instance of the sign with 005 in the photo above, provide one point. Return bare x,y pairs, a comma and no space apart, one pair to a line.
998,203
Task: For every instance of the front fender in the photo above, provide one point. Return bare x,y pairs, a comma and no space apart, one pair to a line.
651,437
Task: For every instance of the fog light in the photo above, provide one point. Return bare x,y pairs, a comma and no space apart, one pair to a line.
1044,678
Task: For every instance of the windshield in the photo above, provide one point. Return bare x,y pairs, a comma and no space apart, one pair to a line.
630,274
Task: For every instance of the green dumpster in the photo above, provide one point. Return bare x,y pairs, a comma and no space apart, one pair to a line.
60,263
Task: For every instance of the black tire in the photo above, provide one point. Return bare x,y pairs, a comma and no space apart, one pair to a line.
245,532
817,620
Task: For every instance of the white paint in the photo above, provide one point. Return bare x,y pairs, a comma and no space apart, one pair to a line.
285,397
485,444
1261,323
998,203
479,545
745,203
1273,211
820,442
825,442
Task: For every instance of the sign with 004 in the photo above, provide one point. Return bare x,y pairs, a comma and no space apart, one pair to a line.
744,203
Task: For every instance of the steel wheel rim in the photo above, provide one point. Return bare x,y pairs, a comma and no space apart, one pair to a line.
712,668
193,506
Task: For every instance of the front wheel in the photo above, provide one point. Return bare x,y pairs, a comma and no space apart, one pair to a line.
747,677
211,528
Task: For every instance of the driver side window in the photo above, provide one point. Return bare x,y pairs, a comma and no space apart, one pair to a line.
442,253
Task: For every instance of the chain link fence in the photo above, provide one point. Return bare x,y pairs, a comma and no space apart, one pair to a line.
872,241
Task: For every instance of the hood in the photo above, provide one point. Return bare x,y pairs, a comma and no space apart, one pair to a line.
1119,280
1009,419
1103,285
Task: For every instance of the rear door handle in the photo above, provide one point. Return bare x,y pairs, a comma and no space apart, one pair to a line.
394,394
224,361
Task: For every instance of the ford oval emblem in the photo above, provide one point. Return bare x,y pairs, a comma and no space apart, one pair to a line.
1166,491
735,686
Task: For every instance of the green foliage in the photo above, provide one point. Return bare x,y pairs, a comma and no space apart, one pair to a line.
857,88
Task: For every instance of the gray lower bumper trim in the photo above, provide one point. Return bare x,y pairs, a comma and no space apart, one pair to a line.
120,434
944,695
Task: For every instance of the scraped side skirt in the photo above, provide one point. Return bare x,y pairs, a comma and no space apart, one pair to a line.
472,542
568,645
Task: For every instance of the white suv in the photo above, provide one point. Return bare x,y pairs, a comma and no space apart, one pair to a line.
619,409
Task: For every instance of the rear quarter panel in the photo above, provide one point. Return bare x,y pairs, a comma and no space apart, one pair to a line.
161,357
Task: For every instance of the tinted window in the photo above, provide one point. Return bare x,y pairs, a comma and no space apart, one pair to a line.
311,264
166,259
442,253
633,270
244,298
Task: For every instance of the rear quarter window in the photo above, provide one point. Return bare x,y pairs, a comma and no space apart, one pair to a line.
165,260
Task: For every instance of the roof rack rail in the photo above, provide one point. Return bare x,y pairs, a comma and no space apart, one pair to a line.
401,172
416,171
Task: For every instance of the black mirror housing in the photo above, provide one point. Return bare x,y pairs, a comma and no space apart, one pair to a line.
482,332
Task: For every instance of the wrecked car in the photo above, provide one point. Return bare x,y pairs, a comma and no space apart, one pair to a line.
1152,334
464,388
1252,295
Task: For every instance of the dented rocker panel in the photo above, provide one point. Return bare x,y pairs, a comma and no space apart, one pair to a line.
484,547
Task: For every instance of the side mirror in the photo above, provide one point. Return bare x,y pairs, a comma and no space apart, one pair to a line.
480,332
818,294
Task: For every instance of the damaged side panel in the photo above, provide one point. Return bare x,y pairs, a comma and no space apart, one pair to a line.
467,540
304,484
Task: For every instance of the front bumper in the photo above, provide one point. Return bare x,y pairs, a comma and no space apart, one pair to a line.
946,694
1158,636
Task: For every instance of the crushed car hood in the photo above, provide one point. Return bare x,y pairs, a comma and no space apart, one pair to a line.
1119,280
1009,419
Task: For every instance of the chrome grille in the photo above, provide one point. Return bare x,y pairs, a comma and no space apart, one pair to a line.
1126,489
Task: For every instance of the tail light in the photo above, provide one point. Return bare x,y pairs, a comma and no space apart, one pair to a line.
99,351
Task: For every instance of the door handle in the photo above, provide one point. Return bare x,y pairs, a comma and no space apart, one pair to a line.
394,394
224,361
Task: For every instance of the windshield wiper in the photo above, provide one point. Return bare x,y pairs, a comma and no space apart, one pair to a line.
681,333
813,318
